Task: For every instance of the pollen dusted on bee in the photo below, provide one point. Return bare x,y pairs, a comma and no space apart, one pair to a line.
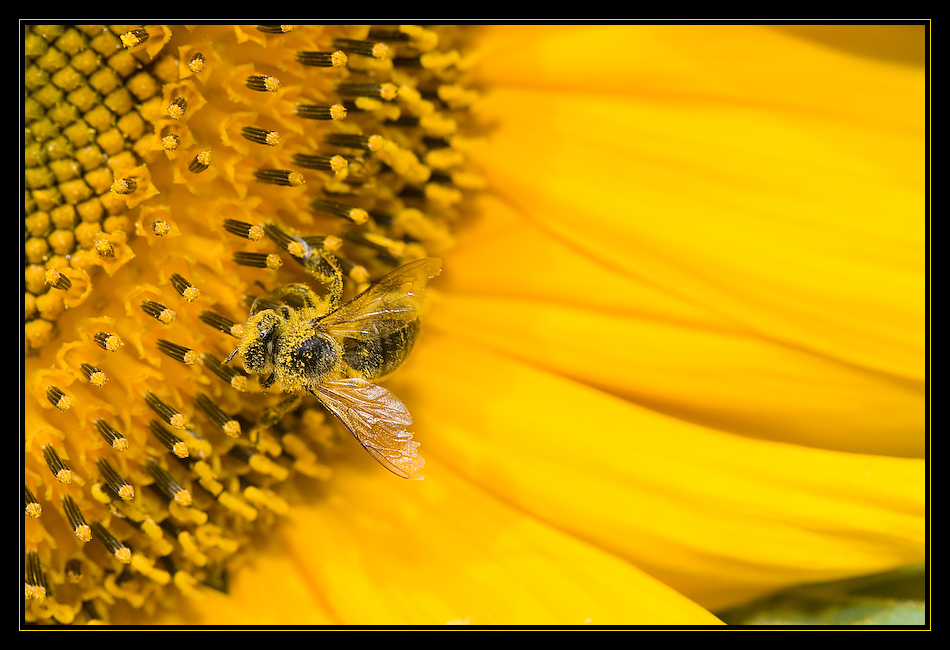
296,330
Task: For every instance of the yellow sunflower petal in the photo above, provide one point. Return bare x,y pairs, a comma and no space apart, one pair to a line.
775,182
445,550
384,552
718,517
570,314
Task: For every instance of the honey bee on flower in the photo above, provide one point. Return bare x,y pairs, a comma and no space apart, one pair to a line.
337,351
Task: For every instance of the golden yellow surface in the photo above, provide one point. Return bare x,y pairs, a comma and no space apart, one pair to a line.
676,359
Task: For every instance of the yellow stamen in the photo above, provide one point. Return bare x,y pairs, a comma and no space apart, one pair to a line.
196,63
134,38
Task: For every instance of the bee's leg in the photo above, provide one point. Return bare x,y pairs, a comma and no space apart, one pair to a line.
307,296
319,262
268,381
324,266
272,416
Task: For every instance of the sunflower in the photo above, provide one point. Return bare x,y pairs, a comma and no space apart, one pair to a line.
674,361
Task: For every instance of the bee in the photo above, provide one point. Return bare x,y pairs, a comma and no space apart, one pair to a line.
338,352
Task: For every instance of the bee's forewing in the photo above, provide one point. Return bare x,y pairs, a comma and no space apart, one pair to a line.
385,306
377,419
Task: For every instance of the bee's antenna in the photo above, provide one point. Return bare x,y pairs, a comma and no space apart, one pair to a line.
257,301
230,356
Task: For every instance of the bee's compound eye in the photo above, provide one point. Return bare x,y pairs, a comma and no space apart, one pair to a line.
255,356
256,347
314,357
266,324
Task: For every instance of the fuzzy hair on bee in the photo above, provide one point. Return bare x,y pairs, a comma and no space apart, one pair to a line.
338,351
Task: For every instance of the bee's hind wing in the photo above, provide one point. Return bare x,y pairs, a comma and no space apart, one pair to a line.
377,419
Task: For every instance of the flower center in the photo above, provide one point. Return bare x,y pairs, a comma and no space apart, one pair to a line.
175,177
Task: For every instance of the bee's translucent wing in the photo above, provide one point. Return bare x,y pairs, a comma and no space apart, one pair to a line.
384,307
378,420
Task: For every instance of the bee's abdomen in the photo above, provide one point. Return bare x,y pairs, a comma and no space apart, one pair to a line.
377,357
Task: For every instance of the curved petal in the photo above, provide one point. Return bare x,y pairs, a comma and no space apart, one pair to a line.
718,517
568,313
444,550
774,182
380,551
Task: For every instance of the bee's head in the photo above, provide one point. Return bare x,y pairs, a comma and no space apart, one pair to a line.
257,342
